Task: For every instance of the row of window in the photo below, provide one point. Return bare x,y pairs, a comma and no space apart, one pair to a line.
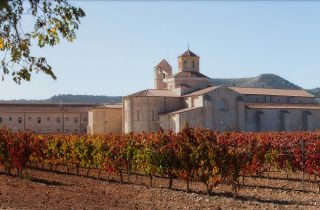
185,65
51,131
266,99
39,119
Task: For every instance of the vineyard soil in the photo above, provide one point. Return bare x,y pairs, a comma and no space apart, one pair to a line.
48,190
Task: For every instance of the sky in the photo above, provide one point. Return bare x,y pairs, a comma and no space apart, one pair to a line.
119,43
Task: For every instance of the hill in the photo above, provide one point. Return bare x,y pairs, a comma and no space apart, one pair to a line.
261,81
315,92
76,99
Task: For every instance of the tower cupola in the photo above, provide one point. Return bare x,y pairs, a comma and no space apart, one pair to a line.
188,61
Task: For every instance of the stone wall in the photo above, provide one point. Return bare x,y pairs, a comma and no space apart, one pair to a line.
44,118
225,109
105,120
282,119
277,99
142,113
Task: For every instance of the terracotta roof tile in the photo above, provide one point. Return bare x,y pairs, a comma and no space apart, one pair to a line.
281,106
202,91
163,62
273,92
189,74
188,53
108,106
155,93
182,110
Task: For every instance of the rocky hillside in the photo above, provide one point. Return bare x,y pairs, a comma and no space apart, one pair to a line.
315,91
262,81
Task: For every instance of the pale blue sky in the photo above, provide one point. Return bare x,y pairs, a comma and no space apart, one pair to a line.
119,43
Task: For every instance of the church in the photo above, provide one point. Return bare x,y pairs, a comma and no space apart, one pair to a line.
189,96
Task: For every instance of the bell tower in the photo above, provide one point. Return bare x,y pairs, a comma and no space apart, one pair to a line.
162,71
188,61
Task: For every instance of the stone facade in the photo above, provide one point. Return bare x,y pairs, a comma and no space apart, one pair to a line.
189,97
45,118
184,97
105,119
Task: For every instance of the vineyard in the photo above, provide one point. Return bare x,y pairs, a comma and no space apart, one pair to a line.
193,155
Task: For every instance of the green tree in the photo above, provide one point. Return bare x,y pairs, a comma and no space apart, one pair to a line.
53,20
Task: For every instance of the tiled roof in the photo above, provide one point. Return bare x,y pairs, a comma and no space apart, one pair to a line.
163,62
182,110
202,91
281,106
188,53
189,74
108,106
273,92
46,104
154,92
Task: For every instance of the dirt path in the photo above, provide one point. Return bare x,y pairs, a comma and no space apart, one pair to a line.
46,190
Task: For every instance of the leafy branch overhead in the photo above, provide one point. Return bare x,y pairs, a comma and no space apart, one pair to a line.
52,20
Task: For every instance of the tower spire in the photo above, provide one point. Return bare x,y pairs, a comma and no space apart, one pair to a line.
188,46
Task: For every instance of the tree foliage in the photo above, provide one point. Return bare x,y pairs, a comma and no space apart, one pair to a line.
52,20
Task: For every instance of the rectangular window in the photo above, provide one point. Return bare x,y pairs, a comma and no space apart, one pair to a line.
48,118
58,120
39,120
10,118
152,115
19,120
138,115
75,120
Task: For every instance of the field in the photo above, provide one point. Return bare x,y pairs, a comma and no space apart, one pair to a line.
193,169
57,190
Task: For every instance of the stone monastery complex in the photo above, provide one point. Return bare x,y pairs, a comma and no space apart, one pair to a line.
187,96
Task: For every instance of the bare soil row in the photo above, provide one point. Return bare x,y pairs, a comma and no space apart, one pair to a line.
57,190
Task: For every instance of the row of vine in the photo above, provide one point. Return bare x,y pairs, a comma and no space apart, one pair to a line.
192,154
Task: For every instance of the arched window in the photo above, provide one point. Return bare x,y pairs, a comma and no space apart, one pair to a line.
283,125
305,120
185,65
258,120
224,104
